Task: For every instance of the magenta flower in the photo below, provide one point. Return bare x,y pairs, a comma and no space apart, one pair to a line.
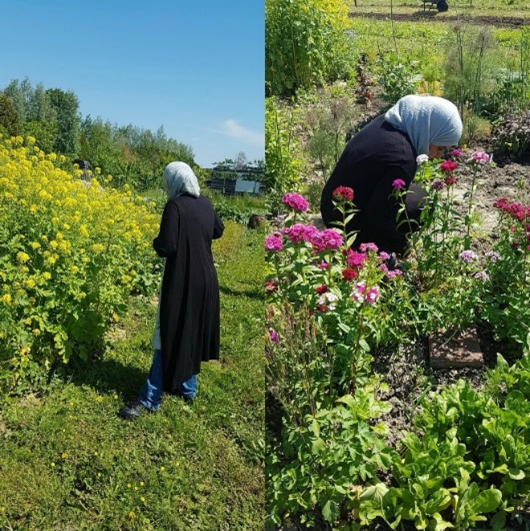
298,233
343,193
273,242
384,256
273,336
296,202
398,184
323,265
449,181
355,259
456,153
328,239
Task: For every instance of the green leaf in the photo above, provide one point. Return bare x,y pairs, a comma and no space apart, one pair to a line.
516,473
486,501
315,427
318,446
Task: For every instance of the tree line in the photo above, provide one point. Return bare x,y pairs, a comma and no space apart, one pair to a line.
132,155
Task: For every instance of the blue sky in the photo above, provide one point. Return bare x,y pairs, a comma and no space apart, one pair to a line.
194,67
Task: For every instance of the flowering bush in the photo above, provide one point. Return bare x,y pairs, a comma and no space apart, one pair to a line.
70,254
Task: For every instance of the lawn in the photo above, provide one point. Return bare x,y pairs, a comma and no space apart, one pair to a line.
67,461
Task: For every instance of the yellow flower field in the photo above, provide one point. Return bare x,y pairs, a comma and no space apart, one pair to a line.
70,254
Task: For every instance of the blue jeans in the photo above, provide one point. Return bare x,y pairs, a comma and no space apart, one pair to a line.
151,392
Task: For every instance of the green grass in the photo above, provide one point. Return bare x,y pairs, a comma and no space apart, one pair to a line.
68,462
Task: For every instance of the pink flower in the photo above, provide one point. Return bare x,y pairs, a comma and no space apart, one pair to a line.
394,273
398,184
384,256
479,157
273,242
343,193
298,233
296,202
365,247
456,153
372,295
448,166
323,265
482,275
328,239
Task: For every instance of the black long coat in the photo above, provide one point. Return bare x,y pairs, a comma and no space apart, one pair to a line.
189,306
371,161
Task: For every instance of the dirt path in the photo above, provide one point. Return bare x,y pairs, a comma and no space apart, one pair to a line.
431,15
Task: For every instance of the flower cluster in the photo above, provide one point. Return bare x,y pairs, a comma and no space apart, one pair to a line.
467,256
448,166
515,210
73,246
398,184
479,157
296,202
343,193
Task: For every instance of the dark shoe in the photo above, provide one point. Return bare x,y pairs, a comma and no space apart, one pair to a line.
132,410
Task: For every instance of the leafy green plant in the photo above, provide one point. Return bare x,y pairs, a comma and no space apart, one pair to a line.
305,43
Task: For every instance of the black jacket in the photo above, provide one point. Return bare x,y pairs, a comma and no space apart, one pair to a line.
372,160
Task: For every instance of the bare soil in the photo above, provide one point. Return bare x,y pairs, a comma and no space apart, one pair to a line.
432,14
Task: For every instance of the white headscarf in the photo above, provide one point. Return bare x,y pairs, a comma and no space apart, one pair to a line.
426,120
179,179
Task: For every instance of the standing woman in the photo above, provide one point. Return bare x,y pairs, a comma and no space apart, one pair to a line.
187,327
382,153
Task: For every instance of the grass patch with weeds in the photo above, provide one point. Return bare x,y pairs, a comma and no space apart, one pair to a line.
68,462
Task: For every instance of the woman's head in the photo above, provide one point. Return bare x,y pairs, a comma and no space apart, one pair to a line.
431,123
179,179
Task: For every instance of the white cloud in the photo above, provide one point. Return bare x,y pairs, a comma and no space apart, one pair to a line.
232,129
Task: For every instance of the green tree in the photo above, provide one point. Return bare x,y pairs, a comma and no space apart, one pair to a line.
66,106
9,120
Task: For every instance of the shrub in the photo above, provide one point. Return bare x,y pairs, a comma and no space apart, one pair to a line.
513,134
70,254
305,43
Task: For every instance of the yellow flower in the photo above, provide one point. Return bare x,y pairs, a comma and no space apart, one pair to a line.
35,245
53,244
142,483
65,455
162,468
142,499
97,248
46,275
29,283
22,257
132,515
99,399
52,464
36,332
6,299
